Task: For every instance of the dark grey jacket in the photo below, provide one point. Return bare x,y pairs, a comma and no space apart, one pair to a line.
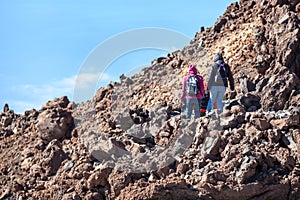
214,70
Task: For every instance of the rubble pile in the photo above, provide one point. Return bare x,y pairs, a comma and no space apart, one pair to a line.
130,140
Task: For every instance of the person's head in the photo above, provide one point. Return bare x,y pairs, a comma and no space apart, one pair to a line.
218,57
193,70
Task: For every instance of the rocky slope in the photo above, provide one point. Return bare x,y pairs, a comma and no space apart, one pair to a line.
130,141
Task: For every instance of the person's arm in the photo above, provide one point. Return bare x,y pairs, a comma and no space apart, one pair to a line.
230,78
201,85
210,77
182,97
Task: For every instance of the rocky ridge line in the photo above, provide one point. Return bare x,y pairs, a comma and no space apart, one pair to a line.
253,154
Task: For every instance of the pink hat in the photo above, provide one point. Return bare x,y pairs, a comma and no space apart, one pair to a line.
193,70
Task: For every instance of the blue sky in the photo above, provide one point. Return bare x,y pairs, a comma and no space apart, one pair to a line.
45,43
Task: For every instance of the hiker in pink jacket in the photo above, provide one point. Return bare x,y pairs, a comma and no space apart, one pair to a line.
192,92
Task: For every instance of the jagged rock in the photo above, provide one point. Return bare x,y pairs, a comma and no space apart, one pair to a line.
124,120
286,160
6,121
6,108
119,181
136,130
289,142
274,136
250,102
237,109
98,178
245,84
211,144
247,169
161,189
7,118
229,122
54,156
286,120
56,123
182,168
261,124
126,80
72,195
101,93
94,195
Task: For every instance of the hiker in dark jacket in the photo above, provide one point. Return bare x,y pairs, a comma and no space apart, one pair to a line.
190,95
217,82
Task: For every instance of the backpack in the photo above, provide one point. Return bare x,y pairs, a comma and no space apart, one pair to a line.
221,75
192,86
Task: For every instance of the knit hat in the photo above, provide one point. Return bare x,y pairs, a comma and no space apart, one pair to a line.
218,57
193,70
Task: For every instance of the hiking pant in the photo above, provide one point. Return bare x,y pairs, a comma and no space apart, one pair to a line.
192,104
216,96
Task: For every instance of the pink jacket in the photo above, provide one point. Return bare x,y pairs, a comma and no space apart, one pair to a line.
192,72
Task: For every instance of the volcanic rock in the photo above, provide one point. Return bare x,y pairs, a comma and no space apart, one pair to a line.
131,141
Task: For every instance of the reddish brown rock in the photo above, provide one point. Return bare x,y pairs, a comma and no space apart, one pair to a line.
252,152
261,124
